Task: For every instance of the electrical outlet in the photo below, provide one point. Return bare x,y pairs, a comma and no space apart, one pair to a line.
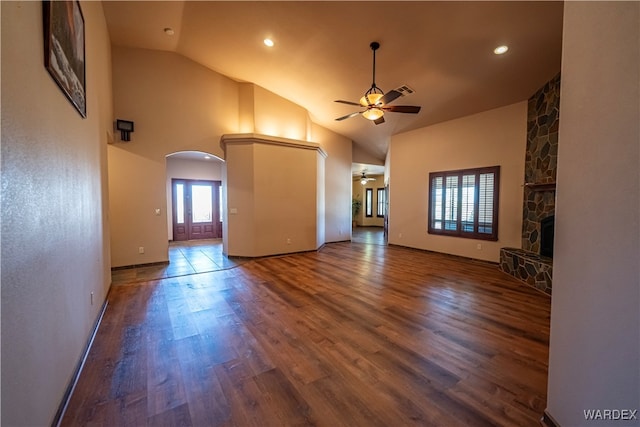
479,246
288,241
141,250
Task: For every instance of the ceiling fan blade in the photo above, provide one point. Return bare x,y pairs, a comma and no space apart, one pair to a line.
348,116
348,102
379,121
388,97
412,109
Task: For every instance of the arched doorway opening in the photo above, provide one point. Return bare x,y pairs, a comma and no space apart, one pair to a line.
194,196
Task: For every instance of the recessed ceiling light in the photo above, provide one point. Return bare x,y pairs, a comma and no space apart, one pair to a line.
268,42
169,31
501,50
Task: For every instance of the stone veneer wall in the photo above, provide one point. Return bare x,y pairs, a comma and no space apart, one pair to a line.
541,161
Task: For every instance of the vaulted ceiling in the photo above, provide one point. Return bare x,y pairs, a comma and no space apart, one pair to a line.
441,50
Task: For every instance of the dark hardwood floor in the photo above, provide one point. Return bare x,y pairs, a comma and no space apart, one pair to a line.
369,235
352,335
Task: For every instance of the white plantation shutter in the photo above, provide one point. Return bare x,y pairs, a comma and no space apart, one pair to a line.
464,203
485,203
451,203
468,202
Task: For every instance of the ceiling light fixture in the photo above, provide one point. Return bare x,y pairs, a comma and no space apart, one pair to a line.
372,97
500,50
169,31
364,179
373,113
268,42
375,101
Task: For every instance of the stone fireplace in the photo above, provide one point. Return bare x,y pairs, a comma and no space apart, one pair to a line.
540,162
533,264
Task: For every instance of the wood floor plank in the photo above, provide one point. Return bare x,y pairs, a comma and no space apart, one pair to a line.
164,385
207,403
175,416
350,335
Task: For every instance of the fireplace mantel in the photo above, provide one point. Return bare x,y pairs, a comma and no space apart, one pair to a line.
541,186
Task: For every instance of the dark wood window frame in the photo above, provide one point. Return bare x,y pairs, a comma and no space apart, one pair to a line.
380,203
368,203
451,191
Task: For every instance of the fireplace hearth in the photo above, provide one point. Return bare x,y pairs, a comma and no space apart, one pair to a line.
529,267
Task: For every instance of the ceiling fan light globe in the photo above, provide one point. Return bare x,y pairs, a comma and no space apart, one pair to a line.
373,114
370,98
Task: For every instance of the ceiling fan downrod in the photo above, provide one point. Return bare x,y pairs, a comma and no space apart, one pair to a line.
374,89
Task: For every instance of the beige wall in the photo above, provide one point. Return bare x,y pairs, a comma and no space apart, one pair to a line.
320,200
361,156
210,170
276,116
137,189
285,199
176,104
495,137
337,183
246,108
53,213
265,113
594,360
240,204
271,210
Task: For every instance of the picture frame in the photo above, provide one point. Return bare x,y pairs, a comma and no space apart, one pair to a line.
64,49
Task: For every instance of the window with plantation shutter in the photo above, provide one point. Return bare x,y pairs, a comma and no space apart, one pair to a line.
464,203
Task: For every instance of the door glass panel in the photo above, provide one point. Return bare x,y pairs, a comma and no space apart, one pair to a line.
201,203
220,203
180,203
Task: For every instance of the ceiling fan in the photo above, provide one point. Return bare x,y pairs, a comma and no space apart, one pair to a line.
376,101
364,178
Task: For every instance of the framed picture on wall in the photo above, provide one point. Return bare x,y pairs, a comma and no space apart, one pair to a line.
64,56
